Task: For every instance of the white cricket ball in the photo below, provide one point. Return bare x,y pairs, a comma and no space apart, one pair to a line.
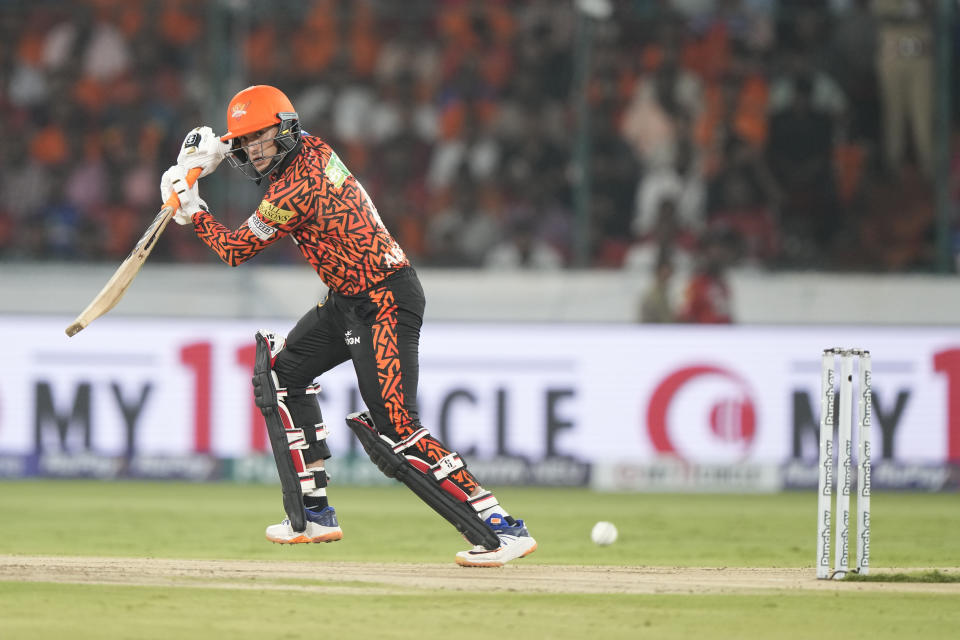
604,533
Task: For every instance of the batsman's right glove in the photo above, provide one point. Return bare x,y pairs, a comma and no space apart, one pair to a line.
202,148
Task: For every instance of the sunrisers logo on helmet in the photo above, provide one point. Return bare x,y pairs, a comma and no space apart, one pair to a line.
239,110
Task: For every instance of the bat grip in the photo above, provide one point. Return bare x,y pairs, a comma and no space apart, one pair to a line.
192,176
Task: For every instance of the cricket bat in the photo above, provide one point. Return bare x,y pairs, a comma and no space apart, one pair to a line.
117,285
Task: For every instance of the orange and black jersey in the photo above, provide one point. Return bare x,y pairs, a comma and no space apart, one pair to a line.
315,200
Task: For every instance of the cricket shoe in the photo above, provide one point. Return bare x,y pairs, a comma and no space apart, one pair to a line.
515,542
322,526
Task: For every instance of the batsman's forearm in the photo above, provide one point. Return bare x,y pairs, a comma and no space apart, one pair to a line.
233,247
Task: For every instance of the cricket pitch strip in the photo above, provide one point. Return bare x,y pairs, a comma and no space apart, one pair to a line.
379,578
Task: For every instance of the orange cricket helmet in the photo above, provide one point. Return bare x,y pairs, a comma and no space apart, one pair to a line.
253,109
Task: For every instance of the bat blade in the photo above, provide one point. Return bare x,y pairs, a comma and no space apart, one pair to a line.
117,285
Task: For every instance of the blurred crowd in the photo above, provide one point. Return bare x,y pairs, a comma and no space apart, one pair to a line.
779,134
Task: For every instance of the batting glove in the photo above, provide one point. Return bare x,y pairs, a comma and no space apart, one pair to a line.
174,180
202,148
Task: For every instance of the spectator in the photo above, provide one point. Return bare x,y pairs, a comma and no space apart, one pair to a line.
853,48
521,248
826,95
614,176
667,238
800,153
682,182
741,211
535,145
656,304
736,107
896,232
6,234
468,143
905,70
684,105
543,51
463,233
663,95
477,33
25,186
708,299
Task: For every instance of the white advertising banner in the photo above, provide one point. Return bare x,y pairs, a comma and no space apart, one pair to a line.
593,393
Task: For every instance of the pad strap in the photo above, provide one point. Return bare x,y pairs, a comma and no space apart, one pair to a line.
483,501
447,465
313,479
303,437
313,389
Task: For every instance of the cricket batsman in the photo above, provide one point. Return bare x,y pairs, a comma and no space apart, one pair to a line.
371,316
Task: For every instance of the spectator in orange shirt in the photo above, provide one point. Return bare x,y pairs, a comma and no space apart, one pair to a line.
708,299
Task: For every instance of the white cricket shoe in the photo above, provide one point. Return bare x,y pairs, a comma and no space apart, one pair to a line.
515,542
322,526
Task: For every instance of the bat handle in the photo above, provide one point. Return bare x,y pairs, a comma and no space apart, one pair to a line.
192,176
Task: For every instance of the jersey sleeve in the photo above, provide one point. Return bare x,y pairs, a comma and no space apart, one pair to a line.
270,222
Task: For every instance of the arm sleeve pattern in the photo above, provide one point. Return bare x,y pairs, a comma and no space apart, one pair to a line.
237,246
265,226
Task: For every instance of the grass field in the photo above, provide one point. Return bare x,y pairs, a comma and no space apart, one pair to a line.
175,560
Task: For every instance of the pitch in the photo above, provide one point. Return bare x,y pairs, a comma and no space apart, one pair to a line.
372,578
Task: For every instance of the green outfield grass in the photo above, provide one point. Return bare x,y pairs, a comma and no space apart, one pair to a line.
96,612
388,524
222,521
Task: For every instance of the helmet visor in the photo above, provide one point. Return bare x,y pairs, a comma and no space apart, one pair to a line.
268,153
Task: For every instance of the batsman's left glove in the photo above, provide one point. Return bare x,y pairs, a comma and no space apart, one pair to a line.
174,180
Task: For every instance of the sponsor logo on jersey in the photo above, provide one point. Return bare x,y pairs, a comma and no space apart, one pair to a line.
336,171
260,228
274,213
350,339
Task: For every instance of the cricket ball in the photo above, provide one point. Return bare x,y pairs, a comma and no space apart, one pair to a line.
604,533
